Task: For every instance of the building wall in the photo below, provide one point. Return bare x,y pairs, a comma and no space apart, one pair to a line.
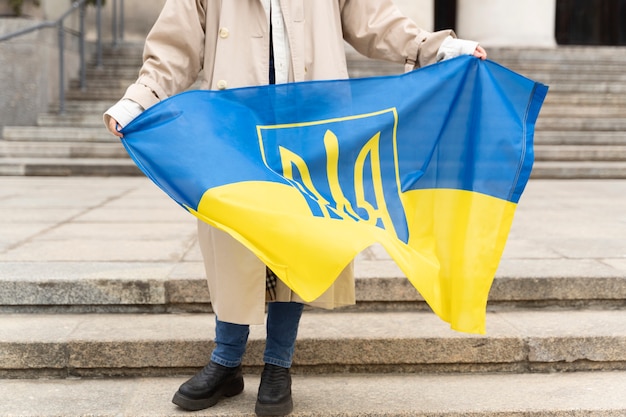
507,23
29,64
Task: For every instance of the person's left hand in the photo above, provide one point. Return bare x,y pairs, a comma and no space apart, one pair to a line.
480,52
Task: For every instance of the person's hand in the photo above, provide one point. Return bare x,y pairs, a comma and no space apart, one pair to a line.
480,52
453,47
112,126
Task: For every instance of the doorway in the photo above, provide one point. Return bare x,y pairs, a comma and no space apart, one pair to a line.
445,14
586,22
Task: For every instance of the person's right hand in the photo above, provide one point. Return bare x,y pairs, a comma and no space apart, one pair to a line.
113,126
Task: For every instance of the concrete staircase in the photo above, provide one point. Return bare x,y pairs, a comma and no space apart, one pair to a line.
581,131
74,247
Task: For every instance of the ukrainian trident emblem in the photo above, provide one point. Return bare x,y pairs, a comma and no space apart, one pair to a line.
345,168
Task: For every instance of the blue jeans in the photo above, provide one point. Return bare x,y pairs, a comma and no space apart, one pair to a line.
282,328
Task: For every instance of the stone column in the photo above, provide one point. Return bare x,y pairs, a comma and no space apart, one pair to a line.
507,22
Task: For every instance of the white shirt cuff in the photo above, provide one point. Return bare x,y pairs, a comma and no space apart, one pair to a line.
452,47
124,111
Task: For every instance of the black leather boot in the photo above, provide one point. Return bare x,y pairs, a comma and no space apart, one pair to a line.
274,397
206,387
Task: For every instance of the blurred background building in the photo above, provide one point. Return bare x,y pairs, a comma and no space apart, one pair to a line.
492,22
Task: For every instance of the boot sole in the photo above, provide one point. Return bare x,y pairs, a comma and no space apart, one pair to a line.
231,389
274,410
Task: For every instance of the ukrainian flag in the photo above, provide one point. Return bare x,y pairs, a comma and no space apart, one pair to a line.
430,164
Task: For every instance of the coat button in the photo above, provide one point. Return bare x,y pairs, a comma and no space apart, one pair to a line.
224,33
222,84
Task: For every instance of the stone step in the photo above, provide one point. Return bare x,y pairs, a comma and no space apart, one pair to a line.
83,119
563,54
590,68
129,61
105,94
580,153
148,345
550,72
58,134
563,68
115,82
83,106
94,74
579,170
46,149
123,49
593,88
525,61
579,394
558,74
580,138
164,287
547,73
573,123
586,111
75,94
68,167
595,99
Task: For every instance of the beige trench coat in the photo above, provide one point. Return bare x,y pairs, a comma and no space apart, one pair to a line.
229,42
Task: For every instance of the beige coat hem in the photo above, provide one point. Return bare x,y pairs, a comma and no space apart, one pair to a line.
241,295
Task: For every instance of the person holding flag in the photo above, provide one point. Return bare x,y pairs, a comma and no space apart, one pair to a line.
229,44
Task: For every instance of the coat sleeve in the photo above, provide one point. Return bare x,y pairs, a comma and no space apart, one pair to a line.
379,30
173,52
